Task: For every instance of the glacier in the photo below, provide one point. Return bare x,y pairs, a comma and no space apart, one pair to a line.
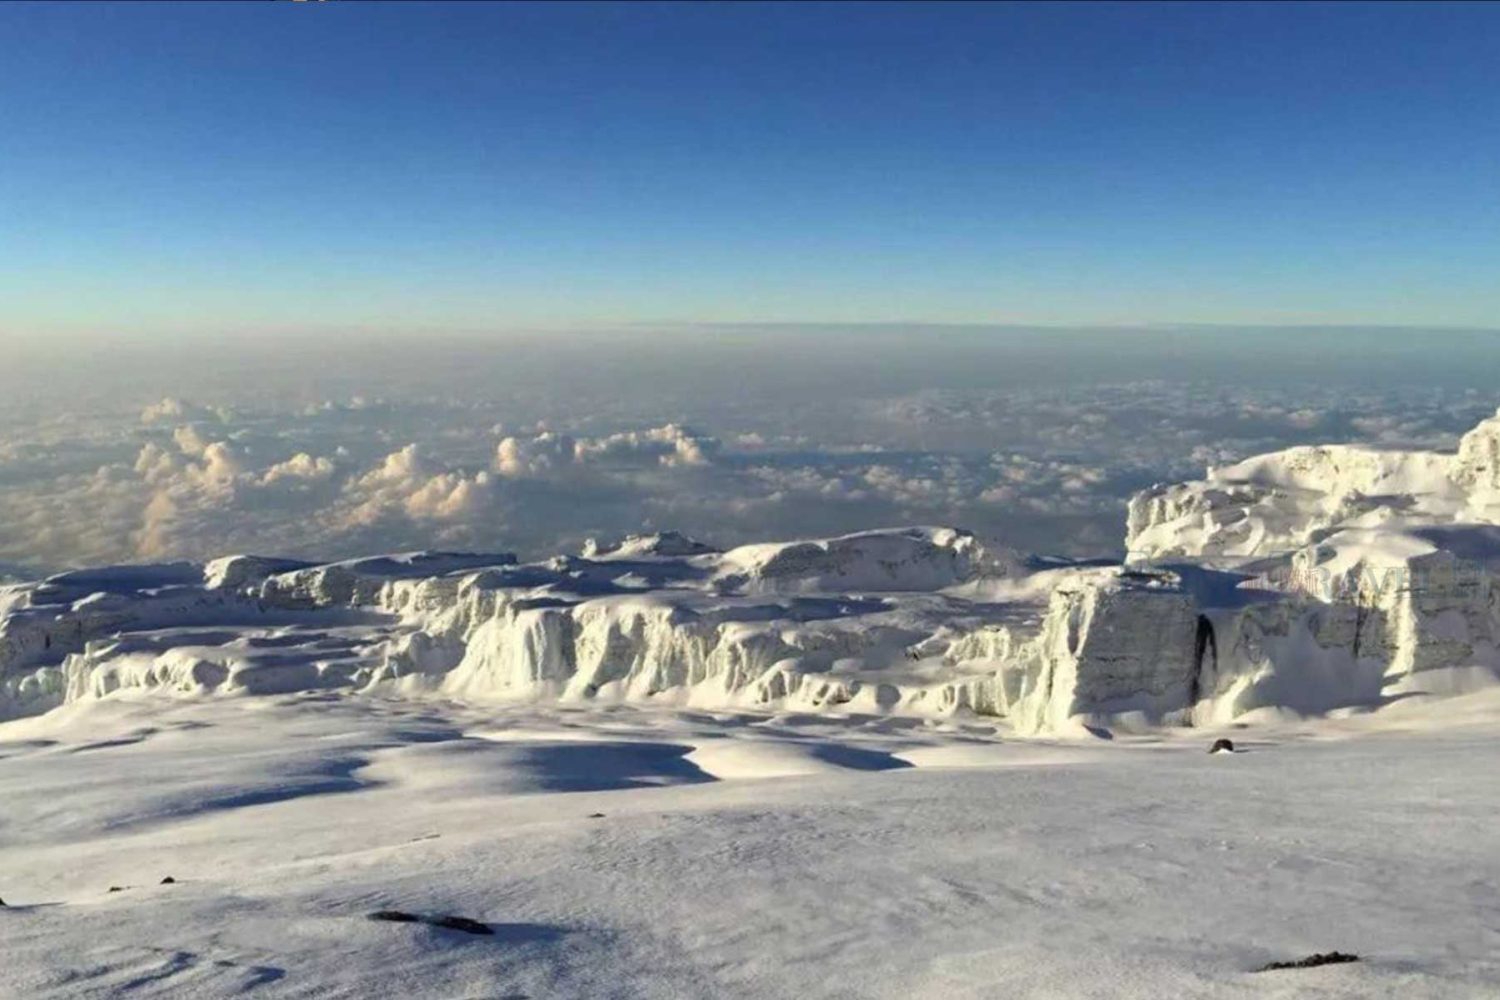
1307,581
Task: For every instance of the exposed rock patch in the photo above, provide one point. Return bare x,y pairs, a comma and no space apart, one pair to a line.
1311,961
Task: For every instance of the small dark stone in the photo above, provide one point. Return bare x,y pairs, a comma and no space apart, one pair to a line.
461,924
596,815
2,902
1222,746
1311,961
169,880
117,888
395,916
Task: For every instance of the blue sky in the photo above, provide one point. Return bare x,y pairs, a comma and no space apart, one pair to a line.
201,168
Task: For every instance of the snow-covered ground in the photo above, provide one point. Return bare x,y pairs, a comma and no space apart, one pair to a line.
625,852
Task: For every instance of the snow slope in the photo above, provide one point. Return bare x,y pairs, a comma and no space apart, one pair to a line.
648,853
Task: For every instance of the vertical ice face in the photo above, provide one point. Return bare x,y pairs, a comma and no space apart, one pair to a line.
1113,646
1429,592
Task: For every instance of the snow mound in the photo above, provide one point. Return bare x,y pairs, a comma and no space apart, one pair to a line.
670,544
905,559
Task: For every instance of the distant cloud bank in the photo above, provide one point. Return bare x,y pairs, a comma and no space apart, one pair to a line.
1046,467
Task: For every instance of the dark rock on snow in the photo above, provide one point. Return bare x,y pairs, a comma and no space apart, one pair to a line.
461,924
1311,961
395,916
451,923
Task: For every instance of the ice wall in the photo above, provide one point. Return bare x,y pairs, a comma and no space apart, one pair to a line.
1306,580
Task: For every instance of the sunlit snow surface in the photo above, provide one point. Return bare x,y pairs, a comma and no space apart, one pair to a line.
738,855
897,763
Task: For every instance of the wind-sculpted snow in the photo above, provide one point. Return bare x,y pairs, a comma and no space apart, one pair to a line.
1303,581
1273,503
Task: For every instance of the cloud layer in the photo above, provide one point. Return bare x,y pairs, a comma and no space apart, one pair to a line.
1048,468
534,448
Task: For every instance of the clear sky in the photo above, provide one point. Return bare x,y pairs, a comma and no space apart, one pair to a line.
197,167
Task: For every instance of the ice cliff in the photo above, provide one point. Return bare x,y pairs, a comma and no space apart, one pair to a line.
1367,574
1307,580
